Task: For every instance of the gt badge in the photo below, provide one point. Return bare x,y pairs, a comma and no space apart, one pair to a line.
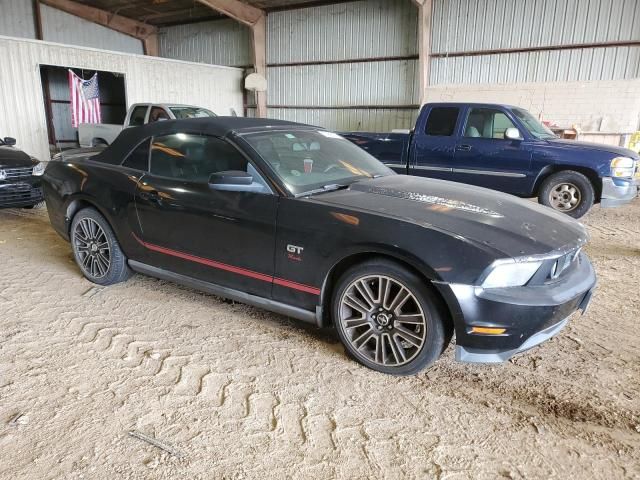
294,253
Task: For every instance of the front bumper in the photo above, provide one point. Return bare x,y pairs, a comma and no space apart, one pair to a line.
529,315
21,194
618,191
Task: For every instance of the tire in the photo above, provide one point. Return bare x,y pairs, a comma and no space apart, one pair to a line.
96,249
372,333
567,192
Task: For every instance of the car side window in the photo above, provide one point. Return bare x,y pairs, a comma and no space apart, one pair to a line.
137,116
193,157
157,114
139,158
442,121
487,123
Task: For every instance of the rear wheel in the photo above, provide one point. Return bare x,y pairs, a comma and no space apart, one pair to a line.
567,192
388,319
96,249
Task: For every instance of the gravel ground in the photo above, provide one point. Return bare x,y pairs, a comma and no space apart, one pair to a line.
242,393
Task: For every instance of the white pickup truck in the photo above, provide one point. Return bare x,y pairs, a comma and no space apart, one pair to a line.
93,135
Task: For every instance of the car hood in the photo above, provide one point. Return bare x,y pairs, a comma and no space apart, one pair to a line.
494,221
12,157
623,152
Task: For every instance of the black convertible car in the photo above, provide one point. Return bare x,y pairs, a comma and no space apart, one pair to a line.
20,176
299,221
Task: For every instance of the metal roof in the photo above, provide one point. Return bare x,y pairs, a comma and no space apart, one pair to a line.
175,12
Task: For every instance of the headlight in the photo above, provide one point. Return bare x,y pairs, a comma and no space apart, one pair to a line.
623,167
38,169
510,273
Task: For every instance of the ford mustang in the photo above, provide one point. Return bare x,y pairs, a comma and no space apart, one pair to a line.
300,221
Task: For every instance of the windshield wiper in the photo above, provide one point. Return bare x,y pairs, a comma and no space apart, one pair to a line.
326,188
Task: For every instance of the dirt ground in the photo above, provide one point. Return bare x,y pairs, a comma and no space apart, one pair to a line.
241,393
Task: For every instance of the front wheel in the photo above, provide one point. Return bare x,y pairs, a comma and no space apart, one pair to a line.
96,249
388,319
567,192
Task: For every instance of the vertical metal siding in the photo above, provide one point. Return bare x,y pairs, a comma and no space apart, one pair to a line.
372,120
61,27
361,29
344,84
462,25
17,19
586,64
220,42
147,79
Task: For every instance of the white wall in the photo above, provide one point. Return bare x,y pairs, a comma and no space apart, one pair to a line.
611,106
147,79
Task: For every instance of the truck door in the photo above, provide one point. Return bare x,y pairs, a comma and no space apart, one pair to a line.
485,157
434,142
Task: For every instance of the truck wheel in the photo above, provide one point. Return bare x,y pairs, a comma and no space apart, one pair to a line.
388,319
568,192
96,249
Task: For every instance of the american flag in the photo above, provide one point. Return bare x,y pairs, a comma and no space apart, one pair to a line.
85,100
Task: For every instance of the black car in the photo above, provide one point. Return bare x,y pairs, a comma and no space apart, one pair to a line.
20,177
300,221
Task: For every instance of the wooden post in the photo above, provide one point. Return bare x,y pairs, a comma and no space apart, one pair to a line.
424,45
259,43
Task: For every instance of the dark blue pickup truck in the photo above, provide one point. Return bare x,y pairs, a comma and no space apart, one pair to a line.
506,148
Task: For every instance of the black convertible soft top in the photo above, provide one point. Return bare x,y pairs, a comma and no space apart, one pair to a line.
218,126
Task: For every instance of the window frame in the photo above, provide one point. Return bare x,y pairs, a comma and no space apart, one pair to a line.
144,117
262,178
147,139
455,125
157,107
497,109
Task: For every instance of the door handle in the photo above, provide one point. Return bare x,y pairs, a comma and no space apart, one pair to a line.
151,196
463,148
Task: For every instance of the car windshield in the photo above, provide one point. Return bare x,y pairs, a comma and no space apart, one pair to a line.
312,161
191,112
536,128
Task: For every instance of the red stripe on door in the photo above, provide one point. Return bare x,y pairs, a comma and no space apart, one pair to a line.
229,268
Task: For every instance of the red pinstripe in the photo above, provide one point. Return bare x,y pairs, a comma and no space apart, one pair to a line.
229,268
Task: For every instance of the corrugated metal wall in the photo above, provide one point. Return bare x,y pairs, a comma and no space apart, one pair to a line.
61,27
219,42
348,66
147,79
16,18
462,26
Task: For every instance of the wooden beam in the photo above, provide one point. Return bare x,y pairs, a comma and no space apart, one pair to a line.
237,10
424,45
115,22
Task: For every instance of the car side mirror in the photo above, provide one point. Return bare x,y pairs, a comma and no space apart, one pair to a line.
235,181
512,134
230,178
10,141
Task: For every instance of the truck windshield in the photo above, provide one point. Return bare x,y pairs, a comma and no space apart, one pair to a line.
313,161
191,112
536,128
